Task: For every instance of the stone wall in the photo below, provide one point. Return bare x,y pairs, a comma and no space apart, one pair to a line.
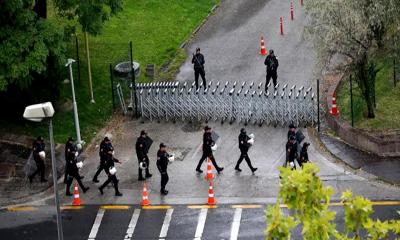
382,143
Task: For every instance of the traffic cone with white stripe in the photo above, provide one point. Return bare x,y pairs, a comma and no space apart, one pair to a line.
209,175
77,201
211,197
334,110
145,196
263,51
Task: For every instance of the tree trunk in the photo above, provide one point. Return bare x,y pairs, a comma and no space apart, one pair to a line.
89,69
365,74
40,8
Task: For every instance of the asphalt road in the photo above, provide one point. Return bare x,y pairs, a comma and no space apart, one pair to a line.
179,222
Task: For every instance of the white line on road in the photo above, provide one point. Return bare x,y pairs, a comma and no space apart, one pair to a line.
236,224
96,224
200,224
165,226
132,224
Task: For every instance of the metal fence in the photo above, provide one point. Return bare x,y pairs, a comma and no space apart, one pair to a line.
228,102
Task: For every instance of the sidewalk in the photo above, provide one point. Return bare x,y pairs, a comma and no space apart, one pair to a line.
385,169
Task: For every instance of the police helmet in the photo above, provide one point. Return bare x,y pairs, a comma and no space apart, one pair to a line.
143,165
243,131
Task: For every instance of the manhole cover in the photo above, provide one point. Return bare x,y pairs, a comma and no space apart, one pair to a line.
192,127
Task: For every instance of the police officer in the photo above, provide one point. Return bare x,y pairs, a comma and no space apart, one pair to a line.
69,145
162,165
304,154
110,170
272,68
244,146
72,170
143,144
198,64
291,152
38,151
207,151
103,157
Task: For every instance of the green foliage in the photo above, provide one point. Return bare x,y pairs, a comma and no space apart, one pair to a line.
91,14
302,189
308,201
387,111
279,225
26,43
357,211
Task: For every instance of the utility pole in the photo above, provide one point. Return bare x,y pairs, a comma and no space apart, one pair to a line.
75,107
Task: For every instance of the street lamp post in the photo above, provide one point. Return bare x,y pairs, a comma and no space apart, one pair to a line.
76,117
37,113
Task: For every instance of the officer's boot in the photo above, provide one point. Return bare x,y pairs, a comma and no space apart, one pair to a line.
148,175
141,178
69,183
117,192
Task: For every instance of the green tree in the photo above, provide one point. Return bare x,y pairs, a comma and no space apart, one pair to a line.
27,43
351,31
91,15
308,203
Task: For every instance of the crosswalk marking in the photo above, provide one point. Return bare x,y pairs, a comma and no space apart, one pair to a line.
165,226
200,224
132,224
236,224
96,224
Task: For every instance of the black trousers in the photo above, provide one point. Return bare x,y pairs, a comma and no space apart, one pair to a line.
114,180
204,157
70,178
40,168
99,169
245,156
164,180
273,75
147,161
202,73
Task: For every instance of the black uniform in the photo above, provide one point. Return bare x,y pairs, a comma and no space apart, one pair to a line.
244,148
272,69
303,156
142,149
103,158
109,164
69,147
38,146
198,61
207,152
162,165
291,152
72,171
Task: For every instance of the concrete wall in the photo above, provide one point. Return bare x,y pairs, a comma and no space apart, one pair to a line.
382,143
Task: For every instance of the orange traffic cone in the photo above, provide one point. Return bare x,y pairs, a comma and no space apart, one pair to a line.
211,198
145,197
77,200
334,110
263,51
209,175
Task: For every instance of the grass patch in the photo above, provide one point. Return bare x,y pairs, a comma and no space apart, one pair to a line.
156,29
387,111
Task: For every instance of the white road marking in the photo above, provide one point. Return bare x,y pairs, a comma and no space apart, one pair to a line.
200,224
236,224
165,226
197,151
96,224
132,224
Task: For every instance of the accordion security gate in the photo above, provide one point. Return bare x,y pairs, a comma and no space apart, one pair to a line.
228,102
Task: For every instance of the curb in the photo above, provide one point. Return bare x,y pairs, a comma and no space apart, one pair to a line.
212,12
315,136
